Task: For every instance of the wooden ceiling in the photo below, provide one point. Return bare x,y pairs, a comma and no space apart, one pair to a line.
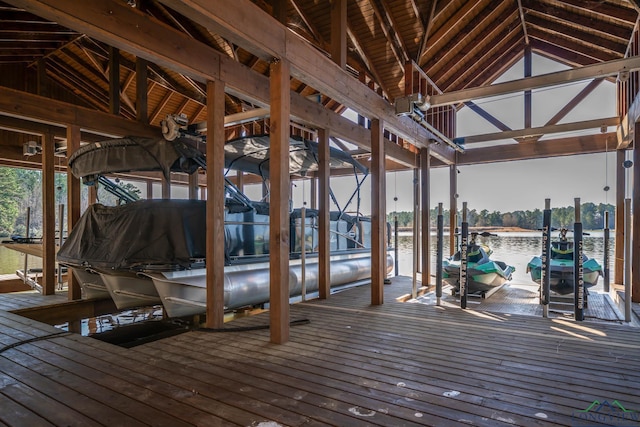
459,44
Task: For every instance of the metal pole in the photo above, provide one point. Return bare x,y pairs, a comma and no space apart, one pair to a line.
416,233
395,245
545,279
26,235
464,246
439,254
61,228
578,280
627,260
605,260
303,252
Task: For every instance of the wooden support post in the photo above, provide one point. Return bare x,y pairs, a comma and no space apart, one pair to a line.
314,193
279,201
240,180
527,93
42,81
166,186
193,186
378,214
339,32
425,165
215,204
149,189
48,216
618,253
73,204
453,207
114,80
92,194
142,111
324,242
635,225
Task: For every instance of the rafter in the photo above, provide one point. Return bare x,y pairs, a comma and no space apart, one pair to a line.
499,39
544,80
523,22
386,31
449,26
312,28
457,50
573,45
427,25
365,58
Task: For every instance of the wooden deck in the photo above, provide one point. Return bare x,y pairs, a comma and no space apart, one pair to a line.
351,364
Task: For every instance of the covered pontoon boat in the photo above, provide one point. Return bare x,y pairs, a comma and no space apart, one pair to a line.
151,251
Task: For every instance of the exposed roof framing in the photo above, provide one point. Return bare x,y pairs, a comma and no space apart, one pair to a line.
463,46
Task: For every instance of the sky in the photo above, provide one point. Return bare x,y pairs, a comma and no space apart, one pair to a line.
523,185
505,186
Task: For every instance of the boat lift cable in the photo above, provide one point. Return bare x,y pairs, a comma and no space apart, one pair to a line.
251,328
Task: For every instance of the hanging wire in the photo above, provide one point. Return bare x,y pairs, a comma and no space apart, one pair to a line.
606,171
395,191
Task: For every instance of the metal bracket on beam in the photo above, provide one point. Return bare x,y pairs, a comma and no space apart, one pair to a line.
415,106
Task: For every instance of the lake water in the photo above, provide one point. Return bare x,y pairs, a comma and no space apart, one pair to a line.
11,260
514,248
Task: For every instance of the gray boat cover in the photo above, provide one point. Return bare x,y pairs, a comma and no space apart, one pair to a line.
134,154
251,154
158,232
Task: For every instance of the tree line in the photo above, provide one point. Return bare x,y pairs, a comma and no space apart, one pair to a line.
22,188
591,216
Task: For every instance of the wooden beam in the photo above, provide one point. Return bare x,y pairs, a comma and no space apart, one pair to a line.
537,132
48,216
116,24
324,244
46,110
142,111
269,39
73,205
339,32
585,144
378,214
215,204
575,101
604,69
114,81
427,28
279,202
487,116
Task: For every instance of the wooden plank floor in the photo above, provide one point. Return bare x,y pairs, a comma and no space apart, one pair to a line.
347,364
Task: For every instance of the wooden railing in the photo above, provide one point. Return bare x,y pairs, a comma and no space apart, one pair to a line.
628,85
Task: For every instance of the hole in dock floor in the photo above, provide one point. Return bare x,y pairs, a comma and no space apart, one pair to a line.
128,328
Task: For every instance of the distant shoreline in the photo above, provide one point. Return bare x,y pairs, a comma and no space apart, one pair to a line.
491,229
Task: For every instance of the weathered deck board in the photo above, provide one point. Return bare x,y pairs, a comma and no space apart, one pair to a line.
352,364
32,298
